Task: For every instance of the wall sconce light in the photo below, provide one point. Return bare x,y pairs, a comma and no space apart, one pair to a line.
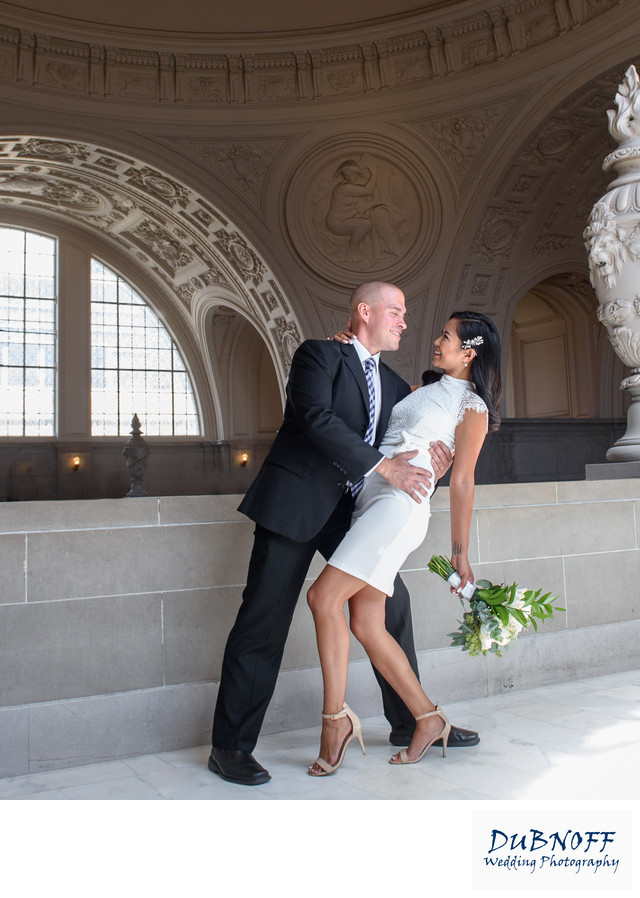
244,459
75,462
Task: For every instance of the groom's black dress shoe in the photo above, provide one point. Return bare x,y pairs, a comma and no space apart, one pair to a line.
237,767
458,738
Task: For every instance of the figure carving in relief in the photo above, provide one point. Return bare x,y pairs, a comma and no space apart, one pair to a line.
276,87
414,68
207,89
135,85
363,216
66,76
344,80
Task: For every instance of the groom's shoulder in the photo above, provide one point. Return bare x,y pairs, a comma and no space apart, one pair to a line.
325,349
315,345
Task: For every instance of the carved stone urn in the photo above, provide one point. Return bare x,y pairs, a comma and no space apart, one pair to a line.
612,238
136,452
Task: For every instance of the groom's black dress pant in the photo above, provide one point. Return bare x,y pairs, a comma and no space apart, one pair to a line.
253,654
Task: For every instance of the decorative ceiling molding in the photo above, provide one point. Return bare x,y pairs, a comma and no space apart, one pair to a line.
240,164
540,205
178,236
369,61
461,138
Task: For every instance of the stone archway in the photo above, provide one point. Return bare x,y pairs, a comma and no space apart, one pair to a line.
251,406
559,361
176,235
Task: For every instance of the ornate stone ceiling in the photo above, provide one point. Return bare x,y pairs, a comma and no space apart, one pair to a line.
401,50
240,18
480,124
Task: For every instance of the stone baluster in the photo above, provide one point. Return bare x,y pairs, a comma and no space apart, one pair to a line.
136,453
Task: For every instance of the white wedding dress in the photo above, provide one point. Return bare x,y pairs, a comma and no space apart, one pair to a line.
387,524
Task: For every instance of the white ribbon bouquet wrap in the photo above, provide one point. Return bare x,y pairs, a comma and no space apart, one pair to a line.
498,613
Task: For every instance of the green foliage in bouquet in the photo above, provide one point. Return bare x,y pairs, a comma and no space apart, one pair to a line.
498,613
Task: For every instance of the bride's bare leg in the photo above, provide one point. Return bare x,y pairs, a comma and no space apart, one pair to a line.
327,598
366,609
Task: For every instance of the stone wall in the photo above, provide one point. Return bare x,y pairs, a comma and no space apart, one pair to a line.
114,614
534,450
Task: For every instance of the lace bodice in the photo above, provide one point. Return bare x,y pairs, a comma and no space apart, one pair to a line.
430,413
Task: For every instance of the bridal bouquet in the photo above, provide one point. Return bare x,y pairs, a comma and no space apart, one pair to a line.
498,613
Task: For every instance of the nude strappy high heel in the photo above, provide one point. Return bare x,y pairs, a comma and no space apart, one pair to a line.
356,733
402,757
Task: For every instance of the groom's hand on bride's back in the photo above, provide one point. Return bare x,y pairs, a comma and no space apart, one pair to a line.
399,472
413,480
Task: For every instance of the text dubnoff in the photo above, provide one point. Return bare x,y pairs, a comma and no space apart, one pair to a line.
535,850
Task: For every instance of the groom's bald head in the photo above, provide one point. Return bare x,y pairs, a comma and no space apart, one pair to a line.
377,315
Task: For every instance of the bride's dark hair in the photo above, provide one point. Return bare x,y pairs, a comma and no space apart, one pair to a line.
485,367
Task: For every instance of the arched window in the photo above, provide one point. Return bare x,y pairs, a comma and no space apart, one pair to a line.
27,333
135,366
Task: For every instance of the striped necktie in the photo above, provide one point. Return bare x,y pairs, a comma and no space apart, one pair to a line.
369,369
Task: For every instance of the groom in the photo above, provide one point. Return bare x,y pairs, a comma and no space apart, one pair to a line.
301,502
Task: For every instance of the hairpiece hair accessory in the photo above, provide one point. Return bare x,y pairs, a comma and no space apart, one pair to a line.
473,341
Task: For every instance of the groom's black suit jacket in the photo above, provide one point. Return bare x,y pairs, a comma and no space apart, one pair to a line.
320,444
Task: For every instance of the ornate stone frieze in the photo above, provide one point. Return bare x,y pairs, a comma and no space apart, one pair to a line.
288,338
469,42
271,78
461,137
556,140
480,287
51,150
162,223
202,79
498,233
243,259
451,41
163,188
160,245
214,276
243,163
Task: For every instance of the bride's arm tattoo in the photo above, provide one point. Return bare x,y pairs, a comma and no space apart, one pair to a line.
456,549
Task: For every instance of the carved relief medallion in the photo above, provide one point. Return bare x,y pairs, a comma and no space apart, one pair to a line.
360,209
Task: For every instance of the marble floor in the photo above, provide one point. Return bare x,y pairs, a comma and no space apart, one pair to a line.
567,741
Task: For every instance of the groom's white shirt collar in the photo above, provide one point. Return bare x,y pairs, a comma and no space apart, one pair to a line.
364,354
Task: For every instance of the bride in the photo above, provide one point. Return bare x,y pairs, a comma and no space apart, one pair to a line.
458,407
